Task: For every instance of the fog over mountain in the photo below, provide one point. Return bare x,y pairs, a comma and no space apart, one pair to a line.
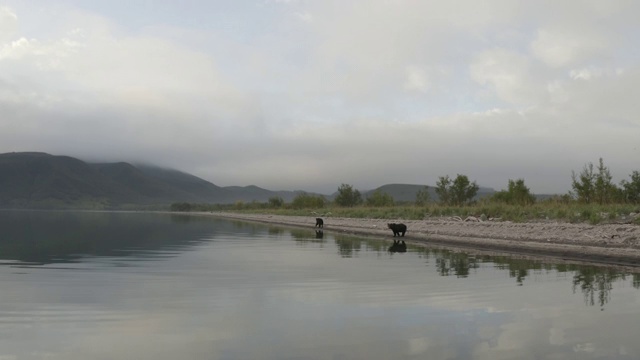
39,180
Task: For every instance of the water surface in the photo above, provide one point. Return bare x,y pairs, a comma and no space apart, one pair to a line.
158,286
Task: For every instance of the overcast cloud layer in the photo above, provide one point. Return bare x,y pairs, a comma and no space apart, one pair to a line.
311,94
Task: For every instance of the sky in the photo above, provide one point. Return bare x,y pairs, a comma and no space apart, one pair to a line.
310,94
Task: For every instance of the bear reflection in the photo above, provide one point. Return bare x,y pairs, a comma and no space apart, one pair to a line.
398,246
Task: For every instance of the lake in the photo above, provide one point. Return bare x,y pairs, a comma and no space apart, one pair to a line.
94,285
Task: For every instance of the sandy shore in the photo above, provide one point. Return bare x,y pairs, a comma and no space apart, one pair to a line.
615,244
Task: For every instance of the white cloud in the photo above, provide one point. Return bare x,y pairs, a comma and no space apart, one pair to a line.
565,47
304,16
592,72
16,49
349,94
510,74
416,80
8,24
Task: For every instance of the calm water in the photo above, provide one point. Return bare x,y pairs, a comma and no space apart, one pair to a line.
149,286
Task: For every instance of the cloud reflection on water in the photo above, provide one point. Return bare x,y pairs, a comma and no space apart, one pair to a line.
249,291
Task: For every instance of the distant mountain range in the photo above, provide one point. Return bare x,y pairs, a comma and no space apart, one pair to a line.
40,180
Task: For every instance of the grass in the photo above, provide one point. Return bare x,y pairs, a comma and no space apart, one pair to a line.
544,211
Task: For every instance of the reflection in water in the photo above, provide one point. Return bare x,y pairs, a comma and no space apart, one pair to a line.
398,247
458,264
218,288
301,235
592,282
40,238
275,231
348,246
595,282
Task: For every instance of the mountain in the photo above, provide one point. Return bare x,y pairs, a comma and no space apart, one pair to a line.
164,185
401,192
40,180
260,194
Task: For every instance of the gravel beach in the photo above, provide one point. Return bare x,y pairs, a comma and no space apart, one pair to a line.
614,244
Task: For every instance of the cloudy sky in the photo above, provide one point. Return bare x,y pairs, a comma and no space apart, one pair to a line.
288,94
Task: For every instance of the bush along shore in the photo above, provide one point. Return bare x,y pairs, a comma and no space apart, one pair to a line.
540,212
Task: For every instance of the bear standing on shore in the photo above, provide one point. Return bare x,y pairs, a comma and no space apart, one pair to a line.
319,222
397,229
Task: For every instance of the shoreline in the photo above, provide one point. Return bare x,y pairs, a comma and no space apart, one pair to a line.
606,244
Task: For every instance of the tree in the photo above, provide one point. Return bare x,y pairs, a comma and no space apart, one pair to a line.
592,186
347,196
517,193
631,189
462,190
181,207
584,184
605,190
307,201
442,189
423,197
276,202
379,198
458,191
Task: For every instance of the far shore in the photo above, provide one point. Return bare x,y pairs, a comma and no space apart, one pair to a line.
611,244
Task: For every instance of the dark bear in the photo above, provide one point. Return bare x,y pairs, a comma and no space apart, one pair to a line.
397,229
319,222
